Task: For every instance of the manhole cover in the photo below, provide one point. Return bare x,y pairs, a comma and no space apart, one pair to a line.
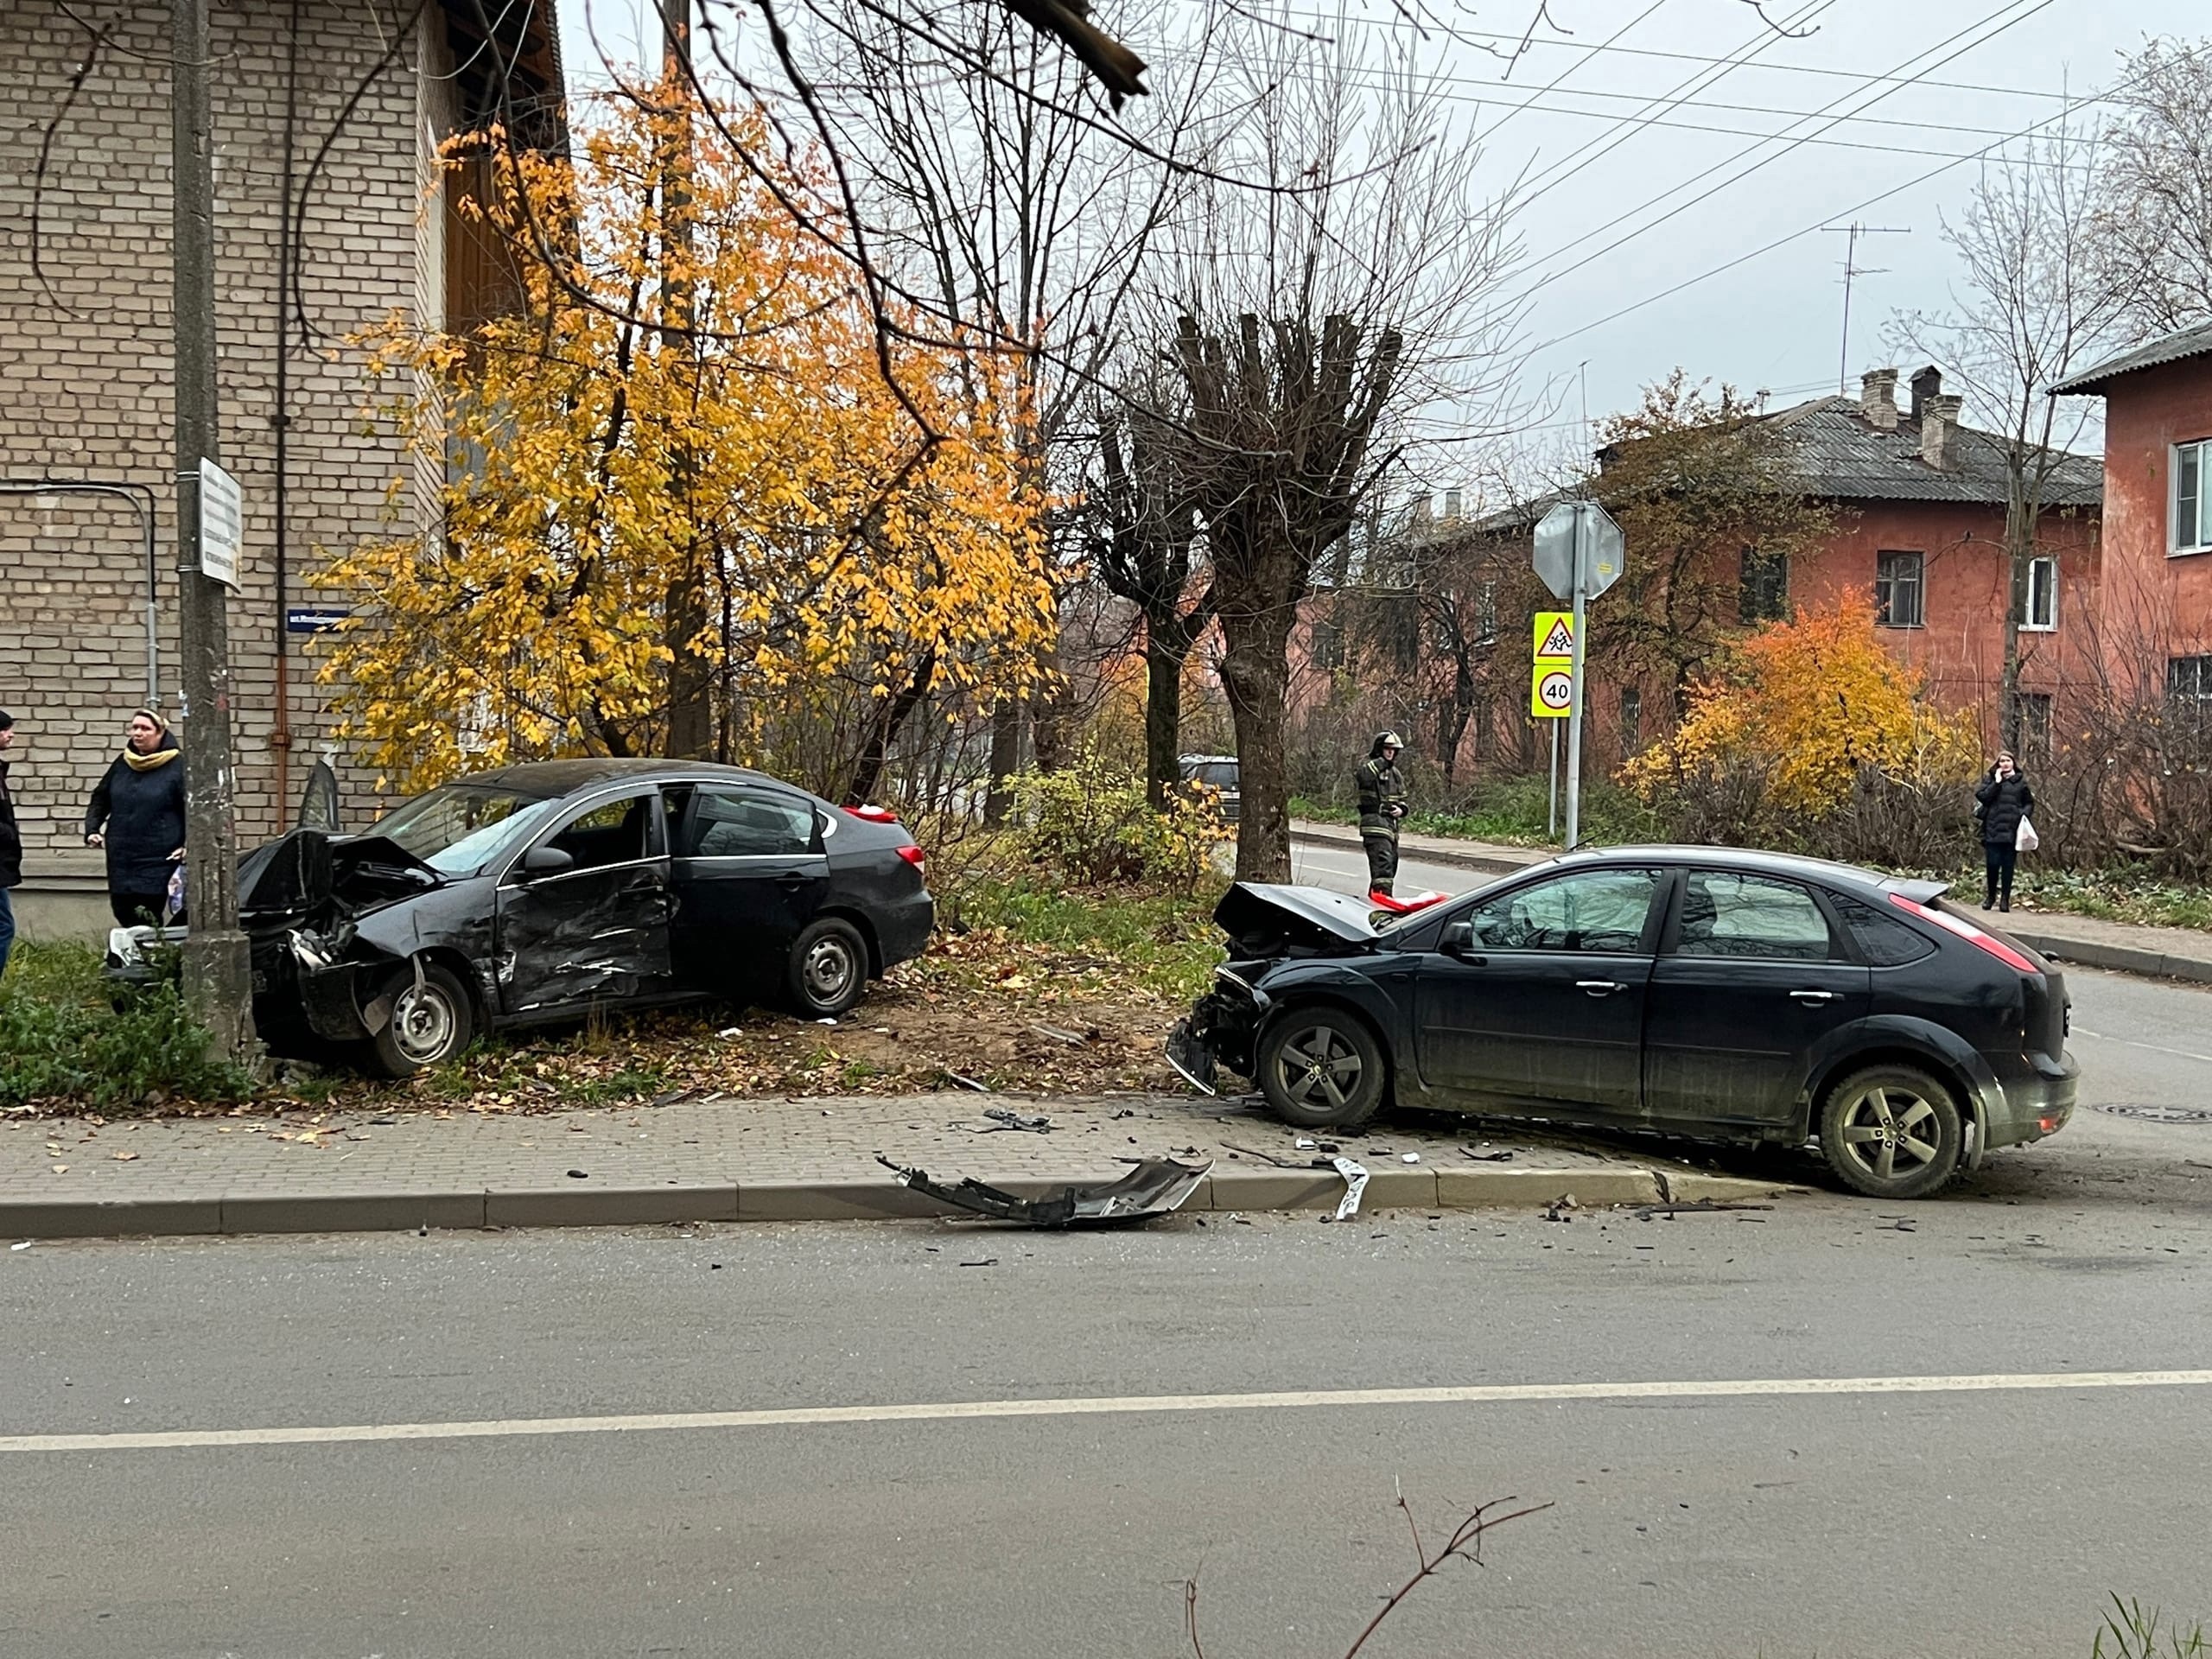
2160,1114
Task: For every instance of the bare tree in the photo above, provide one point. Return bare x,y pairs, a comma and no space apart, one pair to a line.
1145,547
2151,227
1309,324
2029,310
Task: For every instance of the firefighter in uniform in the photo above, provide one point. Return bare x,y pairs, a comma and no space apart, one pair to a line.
1382,789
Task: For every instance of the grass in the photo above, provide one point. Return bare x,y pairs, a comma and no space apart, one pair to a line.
2129,894
1513,811
64,1041
2132,1632
1165,943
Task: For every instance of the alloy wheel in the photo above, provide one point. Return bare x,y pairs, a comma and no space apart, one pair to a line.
1320,1067
1889,1132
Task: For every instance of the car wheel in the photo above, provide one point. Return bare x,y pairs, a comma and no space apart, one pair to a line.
1892,1132
829,970
431,1024
1321,1068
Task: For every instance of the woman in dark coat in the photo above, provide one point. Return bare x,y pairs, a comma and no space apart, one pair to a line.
137,814
2001,802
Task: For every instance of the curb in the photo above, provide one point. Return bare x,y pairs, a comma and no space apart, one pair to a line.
1487,863
2117,958
1238,1190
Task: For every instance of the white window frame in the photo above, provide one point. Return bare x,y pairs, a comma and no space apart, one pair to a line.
2198,539
2049,622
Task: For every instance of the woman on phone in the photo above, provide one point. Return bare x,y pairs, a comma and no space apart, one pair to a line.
2001,804
137,815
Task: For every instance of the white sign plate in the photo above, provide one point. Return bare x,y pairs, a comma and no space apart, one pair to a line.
222,525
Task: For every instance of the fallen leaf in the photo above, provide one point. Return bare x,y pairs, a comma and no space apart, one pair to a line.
61,1169
124,1157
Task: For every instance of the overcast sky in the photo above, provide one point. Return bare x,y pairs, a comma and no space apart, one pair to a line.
1884,92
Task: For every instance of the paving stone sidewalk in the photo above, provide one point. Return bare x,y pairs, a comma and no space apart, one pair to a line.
797,1159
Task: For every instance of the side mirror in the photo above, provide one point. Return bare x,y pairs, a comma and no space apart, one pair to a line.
1457,938
546,861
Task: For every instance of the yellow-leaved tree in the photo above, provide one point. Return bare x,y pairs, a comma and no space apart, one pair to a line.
1796,722
696,499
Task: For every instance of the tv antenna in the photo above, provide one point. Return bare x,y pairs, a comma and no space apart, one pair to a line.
1852,268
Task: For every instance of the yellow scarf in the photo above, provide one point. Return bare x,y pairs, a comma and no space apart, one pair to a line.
138,762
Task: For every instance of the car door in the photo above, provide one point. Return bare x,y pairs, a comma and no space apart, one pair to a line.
750,873
1752,974
596,930
1540,999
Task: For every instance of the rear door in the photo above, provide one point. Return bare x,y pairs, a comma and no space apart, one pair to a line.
1545,1005
750,873
1752,975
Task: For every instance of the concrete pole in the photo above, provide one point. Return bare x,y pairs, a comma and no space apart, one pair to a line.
217,974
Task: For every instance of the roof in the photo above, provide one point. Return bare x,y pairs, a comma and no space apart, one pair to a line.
548,780
507,58
2190,342
1839,456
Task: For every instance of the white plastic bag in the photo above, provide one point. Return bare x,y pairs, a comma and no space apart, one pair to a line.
2024,838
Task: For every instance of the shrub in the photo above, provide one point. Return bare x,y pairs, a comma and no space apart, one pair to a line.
64,1042
1090,824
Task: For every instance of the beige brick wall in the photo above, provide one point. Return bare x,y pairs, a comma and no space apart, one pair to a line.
85,363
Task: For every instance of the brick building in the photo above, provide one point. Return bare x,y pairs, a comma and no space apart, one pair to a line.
2157,603
327,114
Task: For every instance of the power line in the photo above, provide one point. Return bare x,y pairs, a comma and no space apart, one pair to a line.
1555,81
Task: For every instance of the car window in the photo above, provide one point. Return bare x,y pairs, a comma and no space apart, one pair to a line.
1884,941
746,824
613,832
458,828
1219,774
1587,910
1725,914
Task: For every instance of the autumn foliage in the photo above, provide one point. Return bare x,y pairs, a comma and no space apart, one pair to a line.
696,493
1796,717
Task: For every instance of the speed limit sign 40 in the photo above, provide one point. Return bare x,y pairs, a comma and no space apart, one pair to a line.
1551,691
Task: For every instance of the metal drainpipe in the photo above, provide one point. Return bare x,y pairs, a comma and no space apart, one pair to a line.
141,500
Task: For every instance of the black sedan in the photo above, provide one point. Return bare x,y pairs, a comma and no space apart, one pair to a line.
537,893
1696,990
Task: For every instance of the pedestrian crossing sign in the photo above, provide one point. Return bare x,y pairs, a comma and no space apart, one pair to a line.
1554,636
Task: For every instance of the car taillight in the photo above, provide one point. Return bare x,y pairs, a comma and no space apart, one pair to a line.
873,814
913,854
1967,930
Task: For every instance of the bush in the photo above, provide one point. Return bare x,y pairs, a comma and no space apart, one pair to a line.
1090,824
63,1042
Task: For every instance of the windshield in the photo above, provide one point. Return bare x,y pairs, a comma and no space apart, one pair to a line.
1215,775
459,828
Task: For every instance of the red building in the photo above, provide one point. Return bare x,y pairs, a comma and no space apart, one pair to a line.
2156,606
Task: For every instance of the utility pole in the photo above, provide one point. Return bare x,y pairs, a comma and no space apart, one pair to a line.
690,675
1853,232
217,973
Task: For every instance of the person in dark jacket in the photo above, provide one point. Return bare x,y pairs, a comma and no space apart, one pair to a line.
138,814
1382,789
2001,802
11,847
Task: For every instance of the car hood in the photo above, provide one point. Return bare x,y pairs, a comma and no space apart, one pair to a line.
1256,914
309,874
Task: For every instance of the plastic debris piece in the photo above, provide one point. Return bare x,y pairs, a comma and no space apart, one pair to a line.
1409,1157
1156,1186
1004,1119
1355,1183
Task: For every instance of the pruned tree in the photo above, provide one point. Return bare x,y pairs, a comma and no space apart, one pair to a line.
1307,324
2151,228
1141,515
2028,310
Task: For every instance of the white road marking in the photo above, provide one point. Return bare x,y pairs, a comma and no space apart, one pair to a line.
958,1410
2129,1042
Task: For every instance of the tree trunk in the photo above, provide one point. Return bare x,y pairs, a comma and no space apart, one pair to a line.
690,675
1165,653
891,718
1005,760
1255,672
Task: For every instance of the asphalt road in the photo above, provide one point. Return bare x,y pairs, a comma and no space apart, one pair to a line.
1988,1512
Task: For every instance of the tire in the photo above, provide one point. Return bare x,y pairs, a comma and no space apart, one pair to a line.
1321,1068
827,971
431,1024
1892,1132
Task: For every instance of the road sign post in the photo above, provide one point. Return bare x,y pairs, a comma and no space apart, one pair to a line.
1578,553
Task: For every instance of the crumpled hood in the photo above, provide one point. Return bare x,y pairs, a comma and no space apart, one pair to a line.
306,870
1252,911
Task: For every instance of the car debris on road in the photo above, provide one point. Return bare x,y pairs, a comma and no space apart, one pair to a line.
1155,1186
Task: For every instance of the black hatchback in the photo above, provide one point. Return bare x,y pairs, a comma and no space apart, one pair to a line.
1695,990
537,893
